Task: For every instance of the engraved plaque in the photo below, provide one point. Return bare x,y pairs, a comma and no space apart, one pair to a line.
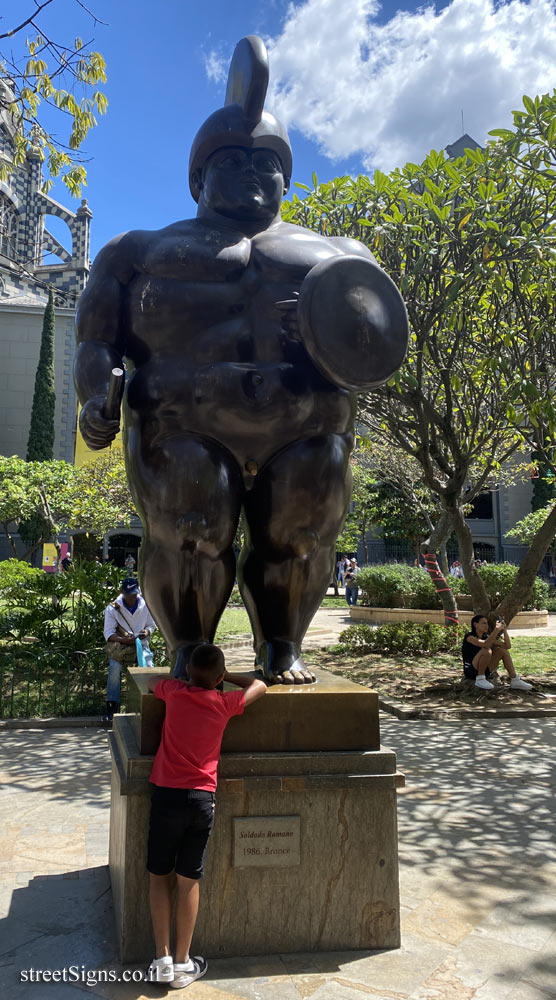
266,841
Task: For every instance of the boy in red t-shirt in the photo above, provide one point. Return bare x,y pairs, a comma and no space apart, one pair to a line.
182,809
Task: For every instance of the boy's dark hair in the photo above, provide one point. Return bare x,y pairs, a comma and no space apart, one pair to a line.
206,664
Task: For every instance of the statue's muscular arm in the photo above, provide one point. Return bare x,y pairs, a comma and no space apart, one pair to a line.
101,335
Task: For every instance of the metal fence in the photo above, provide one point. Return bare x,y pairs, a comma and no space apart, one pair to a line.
51,682
385,552
389,552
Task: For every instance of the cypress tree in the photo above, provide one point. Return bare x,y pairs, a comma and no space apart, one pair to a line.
40,445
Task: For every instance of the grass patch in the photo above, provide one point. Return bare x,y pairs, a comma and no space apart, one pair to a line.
234,622
329,601
534,654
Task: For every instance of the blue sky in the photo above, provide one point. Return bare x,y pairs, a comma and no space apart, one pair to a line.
358,84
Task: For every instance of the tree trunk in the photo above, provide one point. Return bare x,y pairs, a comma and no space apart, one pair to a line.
523,583
481,603
10,539
365,550
444,559
27,556
439,536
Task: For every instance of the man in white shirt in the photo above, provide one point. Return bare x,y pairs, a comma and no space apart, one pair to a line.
125,620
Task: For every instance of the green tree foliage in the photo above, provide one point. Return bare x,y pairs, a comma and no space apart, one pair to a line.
524,531
544,482
40,444
100,497
471,243
362,510
388,495
63,499
52,80
398,518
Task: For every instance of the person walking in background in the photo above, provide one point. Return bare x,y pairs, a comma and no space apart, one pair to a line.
350,578
130,564
125,620
340,570
182,806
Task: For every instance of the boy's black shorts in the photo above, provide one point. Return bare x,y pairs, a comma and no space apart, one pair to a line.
179,828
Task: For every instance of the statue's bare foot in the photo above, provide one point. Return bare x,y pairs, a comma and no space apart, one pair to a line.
281,663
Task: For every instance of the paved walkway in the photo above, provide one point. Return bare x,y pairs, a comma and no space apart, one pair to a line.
478,870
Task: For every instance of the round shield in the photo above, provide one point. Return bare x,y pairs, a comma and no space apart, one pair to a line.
353,322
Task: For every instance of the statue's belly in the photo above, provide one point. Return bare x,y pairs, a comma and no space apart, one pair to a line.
252,409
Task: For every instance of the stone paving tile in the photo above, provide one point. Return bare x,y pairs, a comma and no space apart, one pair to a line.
525,921
487,969
478,868
53,851
49,991
441,917
401,970
541,972
526,991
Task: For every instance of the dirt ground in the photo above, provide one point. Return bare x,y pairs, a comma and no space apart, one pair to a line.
435,682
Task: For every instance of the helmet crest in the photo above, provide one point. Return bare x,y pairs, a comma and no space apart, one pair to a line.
242,121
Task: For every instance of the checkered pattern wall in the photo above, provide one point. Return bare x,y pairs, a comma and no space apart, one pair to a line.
23,193
25,277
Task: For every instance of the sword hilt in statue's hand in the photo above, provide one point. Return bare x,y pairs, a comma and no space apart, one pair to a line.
114,396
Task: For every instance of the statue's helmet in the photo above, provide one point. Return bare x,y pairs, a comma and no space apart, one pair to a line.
242,121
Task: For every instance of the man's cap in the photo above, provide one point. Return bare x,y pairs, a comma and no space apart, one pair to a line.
242,121
130,585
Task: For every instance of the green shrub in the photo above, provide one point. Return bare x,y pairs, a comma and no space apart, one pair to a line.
407,638
62,610
16,579
159,649
48,682
498,579
235,599
458,585
423,593
551,604
396,585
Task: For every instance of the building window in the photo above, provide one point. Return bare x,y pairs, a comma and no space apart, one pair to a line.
481,507
8,228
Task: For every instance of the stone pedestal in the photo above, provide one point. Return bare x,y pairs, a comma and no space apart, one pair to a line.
303,854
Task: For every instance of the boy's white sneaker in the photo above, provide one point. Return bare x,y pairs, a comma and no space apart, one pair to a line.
187,973
481,682
161,970
518,684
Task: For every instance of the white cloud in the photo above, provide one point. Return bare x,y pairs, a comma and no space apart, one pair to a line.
388,92
216,67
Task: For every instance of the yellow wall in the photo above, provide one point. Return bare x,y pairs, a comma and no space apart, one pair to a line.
83,454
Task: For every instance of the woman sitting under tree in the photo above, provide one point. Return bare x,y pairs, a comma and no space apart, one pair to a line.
482,651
